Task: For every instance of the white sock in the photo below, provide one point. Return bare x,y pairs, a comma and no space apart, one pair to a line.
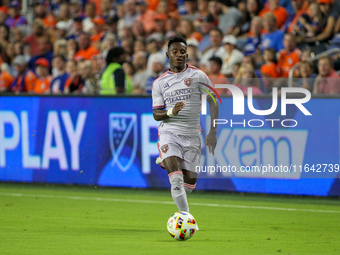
177,191
189,187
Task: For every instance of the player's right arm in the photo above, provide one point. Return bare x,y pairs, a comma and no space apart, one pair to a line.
160,114
158,104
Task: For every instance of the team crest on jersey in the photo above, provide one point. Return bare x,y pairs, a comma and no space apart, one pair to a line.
165,148
188,82
123,139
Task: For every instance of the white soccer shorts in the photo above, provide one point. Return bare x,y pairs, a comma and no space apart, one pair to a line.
186,147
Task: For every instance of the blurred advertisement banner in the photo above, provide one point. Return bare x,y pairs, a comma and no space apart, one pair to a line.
112,141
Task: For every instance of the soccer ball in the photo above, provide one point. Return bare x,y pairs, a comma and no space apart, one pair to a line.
182,226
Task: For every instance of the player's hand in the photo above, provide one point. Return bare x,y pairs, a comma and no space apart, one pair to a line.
179,106
211,141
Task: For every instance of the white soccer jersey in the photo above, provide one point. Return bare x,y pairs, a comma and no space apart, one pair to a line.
185,86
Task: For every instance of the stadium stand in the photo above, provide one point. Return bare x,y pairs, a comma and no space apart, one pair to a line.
82,32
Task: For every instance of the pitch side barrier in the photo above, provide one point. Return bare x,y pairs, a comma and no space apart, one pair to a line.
112,141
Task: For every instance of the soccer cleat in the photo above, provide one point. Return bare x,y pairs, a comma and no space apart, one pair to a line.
158,160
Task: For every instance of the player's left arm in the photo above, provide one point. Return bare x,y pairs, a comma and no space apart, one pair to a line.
211,139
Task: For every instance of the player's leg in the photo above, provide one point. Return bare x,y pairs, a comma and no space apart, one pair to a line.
191,159
173,166
190,179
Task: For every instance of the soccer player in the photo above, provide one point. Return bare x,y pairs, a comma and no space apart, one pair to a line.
176,99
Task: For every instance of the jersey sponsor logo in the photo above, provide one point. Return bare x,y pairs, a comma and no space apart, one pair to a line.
123,139
165,148
188,82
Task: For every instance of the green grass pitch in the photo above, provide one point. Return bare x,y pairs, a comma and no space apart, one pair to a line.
42,219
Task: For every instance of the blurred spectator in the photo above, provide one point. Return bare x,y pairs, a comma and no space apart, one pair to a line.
98,32
154,45
309,24
157,68
289,56
246,78
76,29
108,43
187,30
299,9
306,54
307,75
269,69
90,14
215,75
130,13
44,51
129,69
111,25
15,19
273,38
3,15
76,8
74,83
279,12
163,7
43,81
335,44
193,52
17,34
191,9
214,8
59,73
206,24
19,49
217,49
326,28
64,14
172,22
232,56
3,57
4,35
146,16
6,79
127,45
230,17
236,68
327,82
114,80
11,56
60,47
98,5
160,22
142,74
91,83
106,9
202,7
250,60
72,48
138,30
41,12
253,44
86,50
287,4
25,78
61,29
253,8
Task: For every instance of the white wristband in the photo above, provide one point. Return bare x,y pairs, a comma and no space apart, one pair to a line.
169,113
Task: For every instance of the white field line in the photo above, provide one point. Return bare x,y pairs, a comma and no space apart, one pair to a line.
162,202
